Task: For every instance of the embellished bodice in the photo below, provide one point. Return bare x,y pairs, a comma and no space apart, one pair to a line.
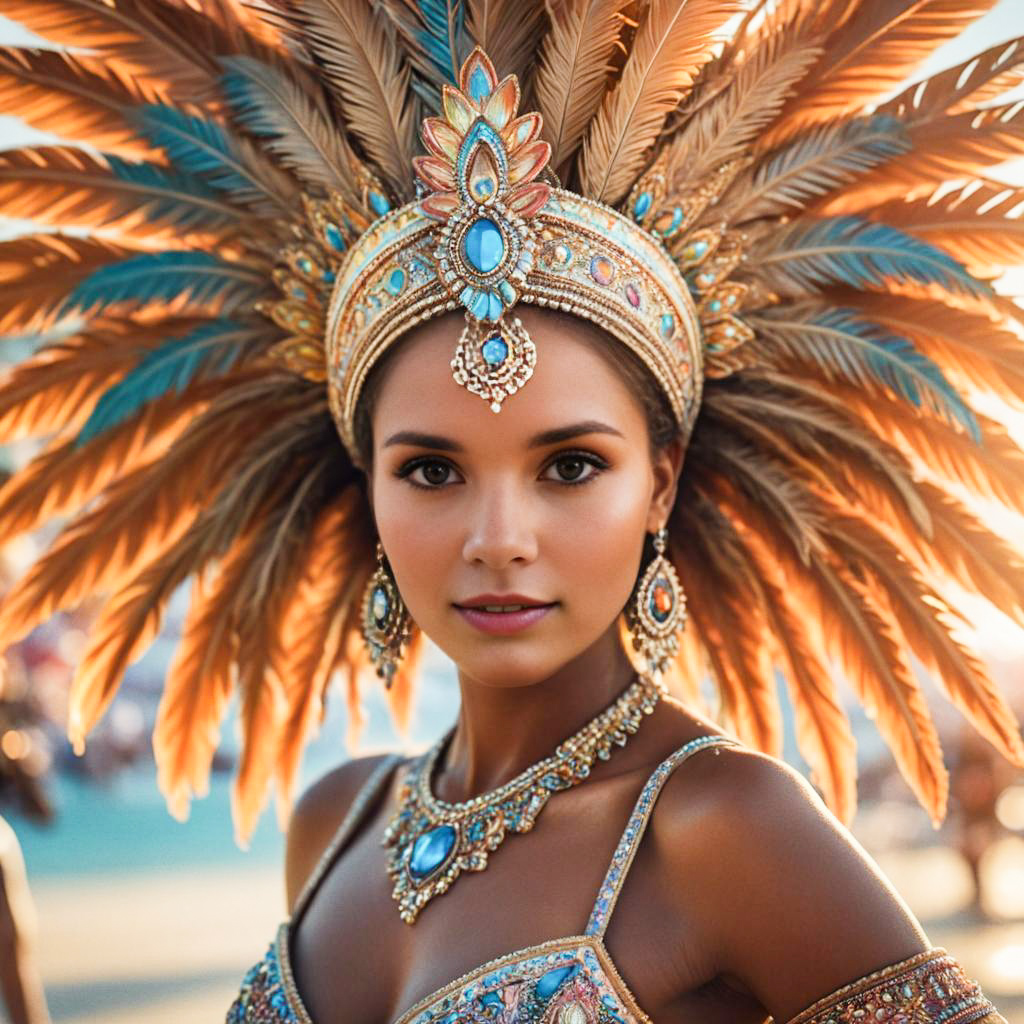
570,980
573,980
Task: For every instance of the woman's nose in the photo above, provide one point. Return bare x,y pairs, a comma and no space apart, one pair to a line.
500,530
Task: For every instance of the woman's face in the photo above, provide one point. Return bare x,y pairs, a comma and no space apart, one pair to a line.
544,504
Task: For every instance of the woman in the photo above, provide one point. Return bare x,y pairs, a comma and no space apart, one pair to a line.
683,249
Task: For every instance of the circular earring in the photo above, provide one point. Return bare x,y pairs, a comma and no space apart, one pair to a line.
386,621
657,610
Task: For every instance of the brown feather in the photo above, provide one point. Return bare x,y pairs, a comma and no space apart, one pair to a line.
574,71
365,71
53,91
311,634
673,42
65,186
873,51
508,31
725,606
927,624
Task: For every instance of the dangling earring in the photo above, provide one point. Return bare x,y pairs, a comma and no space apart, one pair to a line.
386,621
657,611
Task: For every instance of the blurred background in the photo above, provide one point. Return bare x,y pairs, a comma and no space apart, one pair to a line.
139,917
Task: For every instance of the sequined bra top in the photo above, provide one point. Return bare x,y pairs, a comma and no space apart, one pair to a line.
570,980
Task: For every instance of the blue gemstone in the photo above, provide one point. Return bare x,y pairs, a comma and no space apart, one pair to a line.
642,204
379,203
495,307
380,606
479,86
334,237
668,325
549,983
494,351
483,246
431,850
396,281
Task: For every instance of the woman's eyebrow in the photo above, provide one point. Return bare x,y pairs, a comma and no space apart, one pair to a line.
547,437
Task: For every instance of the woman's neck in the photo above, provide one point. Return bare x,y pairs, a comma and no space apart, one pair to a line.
503,730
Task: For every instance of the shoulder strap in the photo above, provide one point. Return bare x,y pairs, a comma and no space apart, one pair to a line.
366,795
608,894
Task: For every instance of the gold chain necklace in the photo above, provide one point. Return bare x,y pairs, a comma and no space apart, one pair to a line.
432,841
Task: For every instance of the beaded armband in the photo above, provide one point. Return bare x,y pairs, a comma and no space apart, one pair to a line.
928,988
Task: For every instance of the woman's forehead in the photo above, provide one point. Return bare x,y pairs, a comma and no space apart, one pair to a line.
572,383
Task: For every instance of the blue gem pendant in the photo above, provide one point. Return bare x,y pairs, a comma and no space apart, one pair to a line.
657,611
494,360
385,621
432,842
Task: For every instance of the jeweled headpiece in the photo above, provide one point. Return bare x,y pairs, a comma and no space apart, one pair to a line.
487,235
801,258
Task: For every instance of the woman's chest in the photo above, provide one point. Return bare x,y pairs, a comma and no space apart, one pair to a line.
503,946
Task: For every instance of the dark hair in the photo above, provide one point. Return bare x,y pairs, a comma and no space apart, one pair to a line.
661,424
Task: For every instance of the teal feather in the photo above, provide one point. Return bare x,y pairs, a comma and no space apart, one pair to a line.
177,198
808,257
272,105
198,277
209,350
844,343
201,147
437,43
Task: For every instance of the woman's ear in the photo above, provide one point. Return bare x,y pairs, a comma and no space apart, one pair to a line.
667,464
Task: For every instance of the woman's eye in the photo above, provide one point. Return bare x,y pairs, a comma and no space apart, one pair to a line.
427,473
575,469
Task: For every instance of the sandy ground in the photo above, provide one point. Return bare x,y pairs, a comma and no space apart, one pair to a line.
172,947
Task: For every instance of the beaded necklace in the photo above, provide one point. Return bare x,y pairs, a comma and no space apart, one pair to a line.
432,841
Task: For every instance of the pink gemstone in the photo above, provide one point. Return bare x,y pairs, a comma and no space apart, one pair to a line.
633,295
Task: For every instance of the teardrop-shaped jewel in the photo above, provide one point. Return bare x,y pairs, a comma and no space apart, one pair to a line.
483,246
431,850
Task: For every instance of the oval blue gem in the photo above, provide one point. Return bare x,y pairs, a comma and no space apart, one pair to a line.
483,246
379,203
642,204
334,237
549,983
494,351
431,850
668,325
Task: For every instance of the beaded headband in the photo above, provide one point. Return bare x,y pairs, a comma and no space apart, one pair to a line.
486,234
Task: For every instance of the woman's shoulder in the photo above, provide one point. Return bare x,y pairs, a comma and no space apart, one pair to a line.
770,871
319,813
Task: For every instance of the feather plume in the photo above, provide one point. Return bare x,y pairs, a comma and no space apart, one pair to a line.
728,124
846,346
873,51
61,186
814,164
927,623
981,79
973,349
369,78
336,565
725,606
53,91
574,71
436,42
673,42
978,225
509,29
294,118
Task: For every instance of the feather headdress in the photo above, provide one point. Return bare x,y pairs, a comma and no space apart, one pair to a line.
237,151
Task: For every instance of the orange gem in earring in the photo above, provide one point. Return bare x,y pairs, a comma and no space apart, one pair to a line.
657,611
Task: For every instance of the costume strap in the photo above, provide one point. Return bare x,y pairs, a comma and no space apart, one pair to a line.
364,798
928,987
622,859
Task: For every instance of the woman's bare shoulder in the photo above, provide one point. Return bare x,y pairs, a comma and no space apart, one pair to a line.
317,816
790,903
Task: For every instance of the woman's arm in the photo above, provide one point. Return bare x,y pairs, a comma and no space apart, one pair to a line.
792,906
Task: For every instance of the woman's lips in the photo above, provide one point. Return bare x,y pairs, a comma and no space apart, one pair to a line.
503,623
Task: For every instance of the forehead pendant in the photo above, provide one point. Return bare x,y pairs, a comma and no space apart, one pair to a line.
480,176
